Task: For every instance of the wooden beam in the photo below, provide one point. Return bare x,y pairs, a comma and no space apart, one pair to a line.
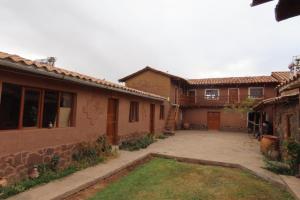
258,2
21,108
1,82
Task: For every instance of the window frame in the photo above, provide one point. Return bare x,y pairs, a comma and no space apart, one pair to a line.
134,111
209,98
252,97
41,106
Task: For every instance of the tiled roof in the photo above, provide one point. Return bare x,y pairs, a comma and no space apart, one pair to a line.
273,100
282,76
289,81
153,70
25,63
233,80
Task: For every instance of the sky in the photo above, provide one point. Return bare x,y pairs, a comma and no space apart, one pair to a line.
110,39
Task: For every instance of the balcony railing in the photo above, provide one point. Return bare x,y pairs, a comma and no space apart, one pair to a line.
214,100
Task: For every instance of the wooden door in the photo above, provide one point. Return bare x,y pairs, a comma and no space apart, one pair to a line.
152,118
112,121
233,95
213,121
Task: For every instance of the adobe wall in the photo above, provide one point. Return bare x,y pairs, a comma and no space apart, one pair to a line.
20,149
150,81
229,121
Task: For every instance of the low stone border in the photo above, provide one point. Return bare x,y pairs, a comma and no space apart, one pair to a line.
134,164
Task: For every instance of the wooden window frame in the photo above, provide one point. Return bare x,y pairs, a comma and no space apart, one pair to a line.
41,106
252,97
134,111
211,99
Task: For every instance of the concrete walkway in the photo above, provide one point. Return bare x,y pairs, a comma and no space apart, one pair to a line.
235,148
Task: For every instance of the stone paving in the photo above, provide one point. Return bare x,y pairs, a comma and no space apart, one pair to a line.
228,147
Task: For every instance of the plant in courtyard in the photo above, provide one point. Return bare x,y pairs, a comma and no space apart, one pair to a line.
244,107
292,148
136,144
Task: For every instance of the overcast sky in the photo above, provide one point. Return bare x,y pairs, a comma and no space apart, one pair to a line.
113,38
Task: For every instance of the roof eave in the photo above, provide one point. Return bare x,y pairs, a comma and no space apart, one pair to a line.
43,72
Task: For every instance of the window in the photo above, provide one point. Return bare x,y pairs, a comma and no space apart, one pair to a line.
31,108
212,94
50,109
65,110
22,107
162,112
10,106
256,92
134,112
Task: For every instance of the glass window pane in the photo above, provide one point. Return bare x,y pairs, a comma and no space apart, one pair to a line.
31,108
10,106
50,109
65,110
256,92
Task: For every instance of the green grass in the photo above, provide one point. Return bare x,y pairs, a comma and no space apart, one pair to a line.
163,179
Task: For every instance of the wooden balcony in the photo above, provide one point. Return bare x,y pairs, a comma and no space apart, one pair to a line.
218,101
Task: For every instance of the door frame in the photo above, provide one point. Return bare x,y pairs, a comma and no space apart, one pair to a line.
219,119
115,134
152,118
238,94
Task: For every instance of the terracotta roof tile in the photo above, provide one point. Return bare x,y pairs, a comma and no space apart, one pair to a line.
282,76
233,80
109,85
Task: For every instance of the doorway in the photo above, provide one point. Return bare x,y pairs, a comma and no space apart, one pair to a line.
233,95
152,118
112,121
213,120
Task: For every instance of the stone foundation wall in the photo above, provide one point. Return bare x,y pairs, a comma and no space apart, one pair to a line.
15,167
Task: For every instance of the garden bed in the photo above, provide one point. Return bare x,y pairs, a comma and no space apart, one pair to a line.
160,178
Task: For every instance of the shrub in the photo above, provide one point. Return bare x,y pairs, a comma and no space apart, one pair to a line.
278,167
141,143
293,151
162,136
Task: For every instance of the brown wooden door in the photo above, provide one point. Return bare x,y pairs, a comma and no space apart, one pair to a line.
213,121
152,118
233,96
112,121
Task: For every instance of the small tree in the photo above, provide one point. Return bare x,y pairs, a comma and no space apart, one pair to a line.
243,108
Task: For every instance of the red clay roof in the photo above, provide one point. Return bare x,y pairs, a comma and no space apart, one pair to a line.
153,70
282,76
290,80
109,85
233,80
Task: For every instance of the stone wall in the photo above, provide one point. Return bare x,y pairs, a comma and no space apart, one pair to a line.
283,111
16,166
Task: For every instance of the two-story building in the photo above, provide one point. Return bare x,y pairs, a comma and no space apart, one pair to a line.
201,102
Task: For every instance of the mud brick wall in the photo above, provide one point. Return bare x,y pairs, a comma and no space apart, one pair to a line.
16,166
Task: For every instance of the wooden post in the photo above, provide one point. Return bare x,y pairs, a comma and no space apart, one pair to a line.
254,124
1,82
21,108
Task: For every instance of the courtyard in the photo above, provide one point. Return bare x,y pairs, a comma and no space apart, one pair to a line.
217,148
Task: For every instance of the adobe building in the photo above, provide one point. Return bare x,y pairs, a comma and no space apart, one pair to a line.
46,111
201,102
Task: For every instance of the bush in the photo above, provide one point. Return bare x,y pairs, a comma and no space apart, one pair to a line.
137,144
278,167
162,136
293,151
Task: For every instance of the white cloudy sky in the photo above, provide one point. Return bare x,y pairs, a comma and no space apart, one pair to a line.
112,38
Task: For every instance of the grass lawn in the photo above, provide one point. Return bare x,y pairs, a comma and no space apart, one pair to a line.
163,179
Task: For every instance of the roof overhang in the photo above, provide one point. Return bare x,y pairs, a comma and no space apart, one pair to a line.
284,9
44,72
275,100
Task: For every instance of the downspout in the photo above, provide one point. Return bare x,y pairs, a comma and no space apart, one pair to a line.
38,71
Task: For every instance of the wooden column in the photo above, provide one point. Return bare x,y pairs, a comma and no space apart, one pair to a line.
0,90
